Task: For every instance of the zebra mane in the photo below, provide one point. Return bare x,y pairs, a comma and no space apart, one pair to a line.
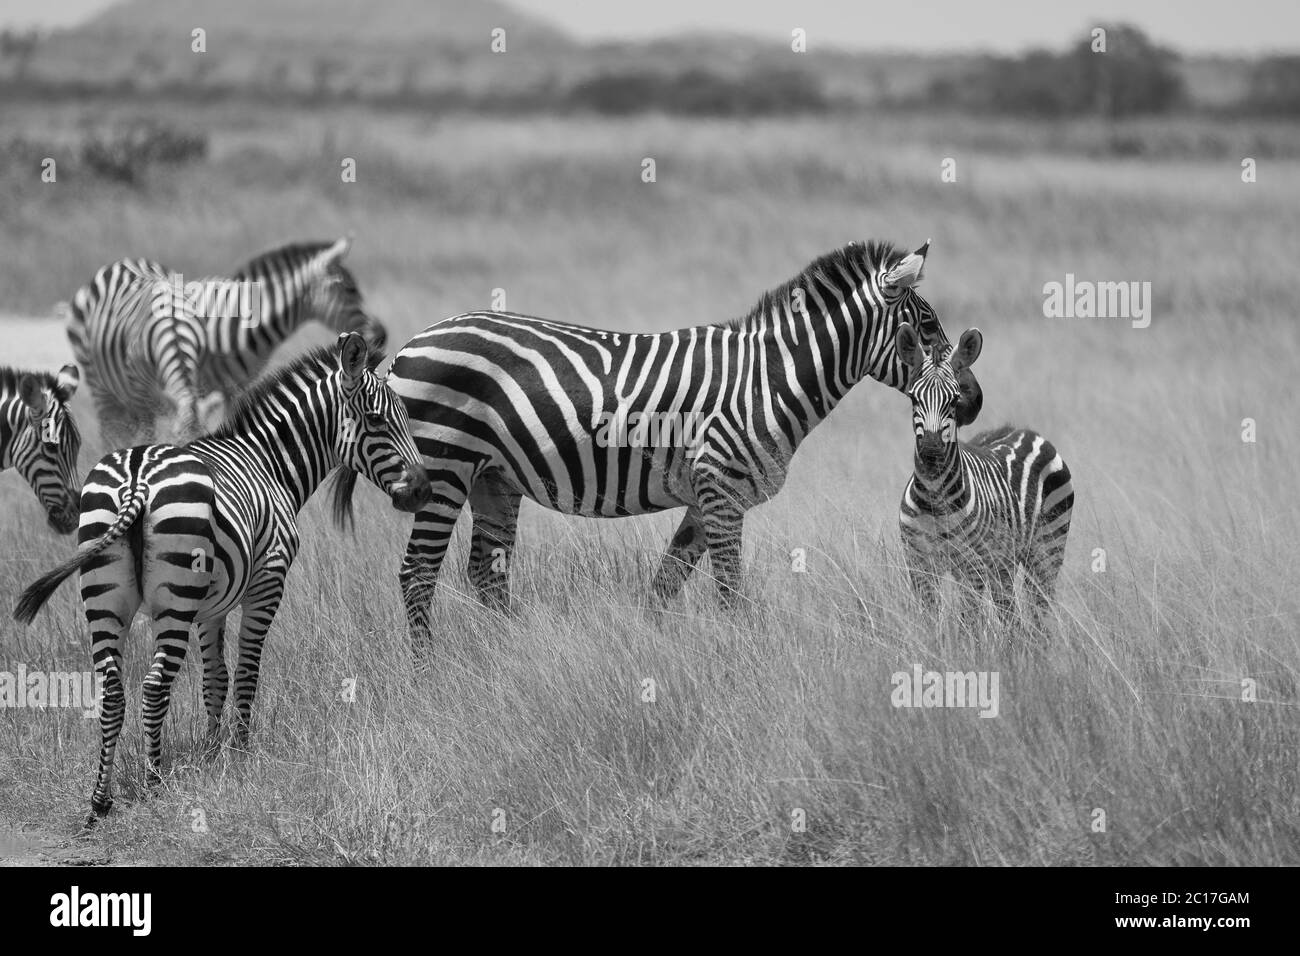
295,252
875,255
10,377
321,361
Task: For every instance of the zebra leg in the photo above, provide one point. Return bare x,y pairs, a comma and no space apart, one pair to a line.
684,552
111,596
1041,572
428,546
495,507
112,712
1002,588
171,641
187,425
924,577
116,423
724,523
216,676
260,605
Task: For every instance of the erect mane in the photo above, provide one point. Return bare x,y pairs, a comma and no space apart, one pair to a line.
294,253
876,256
318,362
11,377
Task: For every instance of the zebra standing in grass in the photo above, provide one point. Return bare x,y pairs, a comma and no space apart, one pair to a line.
505,405
978,510
39,438
145,345
192,532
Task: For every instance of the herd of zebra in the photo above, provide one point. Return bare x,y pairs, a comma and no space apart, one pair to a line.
485,408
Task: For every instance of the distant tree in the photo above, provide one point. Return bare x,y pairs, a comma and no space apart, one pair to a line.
148,62
1275,86
322,69
278,77
1134,75
19,46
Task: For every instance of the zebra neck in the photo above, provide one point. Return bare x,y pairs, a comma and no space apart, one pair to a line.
294,440
11,412
939,487
282,308
817,355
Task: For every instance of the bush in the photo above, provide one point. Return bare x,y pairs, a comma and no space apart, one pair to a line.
699,92
126,153
1133,76
1275,86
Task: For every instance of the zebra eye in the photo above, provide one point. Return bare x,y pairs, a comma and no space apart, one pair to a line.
375,419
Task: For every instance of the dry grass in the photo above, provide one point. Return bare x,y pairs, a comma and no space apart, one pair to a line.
1132,707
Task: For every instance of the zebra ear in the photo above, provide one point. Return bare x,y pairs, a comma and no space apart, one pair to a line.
972,398
908,272
908,345
967,350
69,379
336,252
33,396
352,354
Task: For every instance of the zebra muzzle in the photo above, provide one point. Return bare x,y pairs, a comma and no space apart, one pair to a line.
411,491
64,518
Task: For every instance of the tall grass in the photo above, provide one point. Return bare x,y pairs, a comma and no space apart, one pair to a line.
1132,706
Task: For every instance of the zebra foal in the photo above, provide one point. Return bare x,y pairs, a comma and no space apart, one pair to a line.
978,509
190,533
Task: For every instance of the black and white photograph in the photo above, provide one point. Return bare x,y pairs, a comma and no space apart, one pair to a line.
690,433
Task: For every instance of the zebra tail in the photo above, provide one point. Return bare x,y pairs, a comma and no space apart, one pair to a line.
343,483
36,594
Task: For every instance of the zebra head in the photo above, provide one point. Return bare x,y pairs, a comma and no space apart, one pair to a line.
934,387
46,443
896,283
335,300
374,434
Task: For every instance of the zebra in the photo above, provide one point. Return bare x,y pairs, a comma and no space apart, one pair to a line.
189,533
39,438
505,406
979,509
145,345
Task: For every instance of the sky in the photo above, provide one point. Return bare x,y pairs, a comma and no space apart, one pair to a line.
1241,26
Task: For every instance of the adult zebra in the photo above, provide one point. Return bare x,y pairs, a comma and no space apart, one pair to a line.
39,438
505,405
144,347
192,532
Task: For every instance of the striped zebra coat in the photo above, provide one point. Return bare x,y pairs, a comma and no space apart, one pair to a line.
978,510
148,348
607,424
39,439
191,533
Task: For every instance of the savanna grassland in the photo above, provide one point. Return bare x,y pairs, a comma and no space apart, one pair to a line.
1132,706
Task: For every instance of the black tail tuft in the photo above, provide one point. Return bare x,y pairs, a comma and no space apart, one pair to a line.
344,482
36,594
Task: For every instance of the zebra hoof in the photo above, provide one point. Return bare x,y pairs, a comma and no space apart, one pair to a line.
98,809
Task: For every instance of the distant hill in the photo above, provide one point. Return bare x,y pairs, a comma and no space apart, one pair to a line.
436,54
329,23
340,46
